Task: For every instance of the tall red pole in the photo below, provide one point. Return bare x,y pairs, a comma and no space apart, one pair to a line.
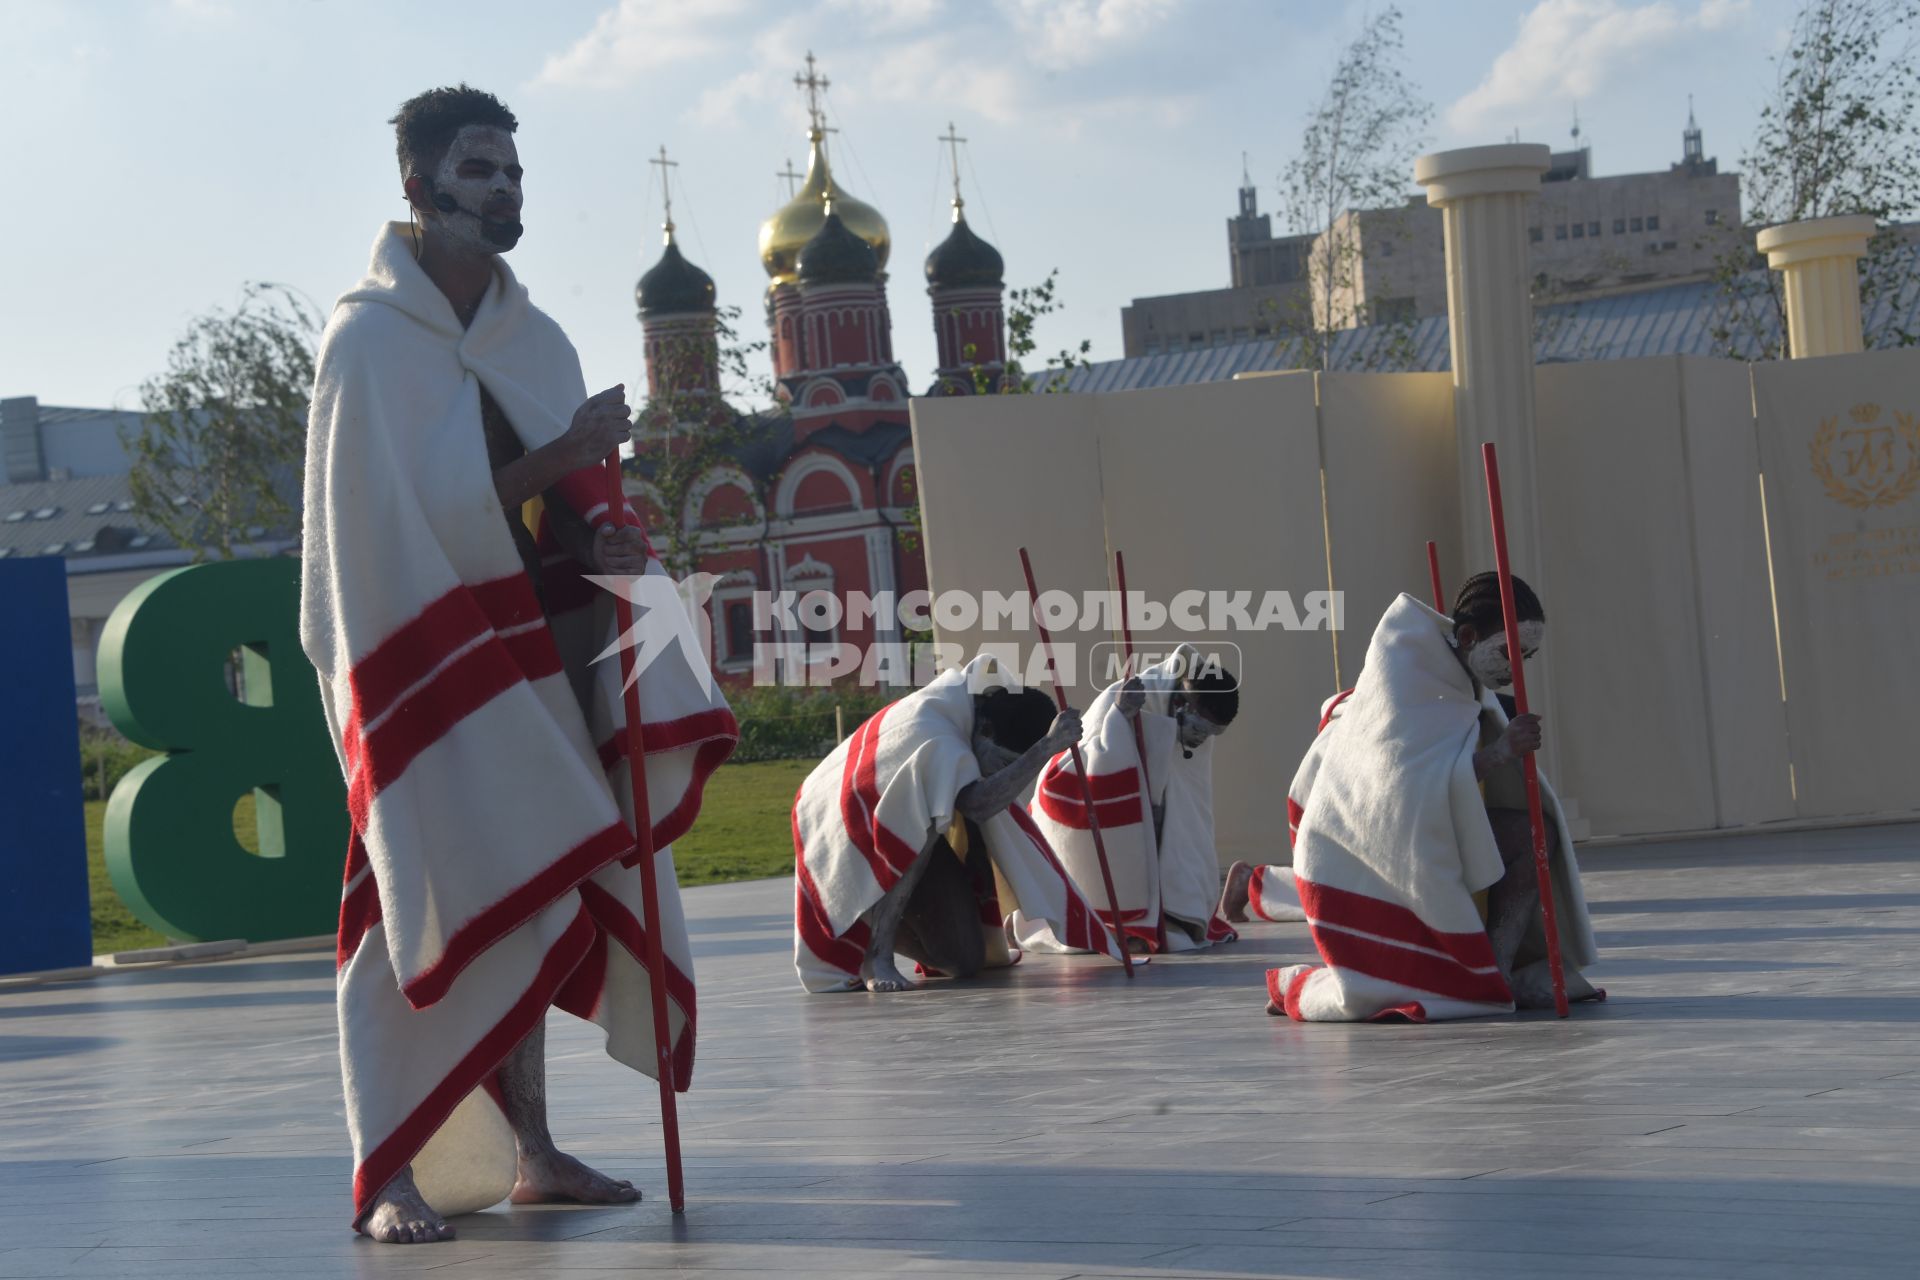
1080,766
1139,736
1529,767
649,886
1433,572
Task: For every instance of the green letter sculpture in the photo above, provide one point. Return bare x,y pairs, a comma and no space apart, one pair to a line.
165,662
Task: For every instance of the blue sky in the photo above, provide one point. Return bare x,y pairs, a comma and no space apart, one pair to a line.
162,152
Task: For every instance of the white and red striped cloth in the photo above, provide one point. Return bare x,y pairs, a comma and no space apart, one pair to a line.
863,815
488,875
1391,842
1167,882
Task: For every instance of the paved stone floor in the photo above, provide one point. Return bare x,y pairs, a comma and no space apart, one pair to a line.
1748,1104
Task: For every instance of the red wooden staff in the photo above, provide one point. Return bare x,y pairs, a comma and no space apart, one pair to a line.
1139,735
1529,766
643,847
1079,764
1433,572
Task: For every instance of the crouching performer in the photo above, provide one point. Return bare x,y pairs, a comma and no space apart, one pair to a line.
910,838
491,869
1156,823
1412,850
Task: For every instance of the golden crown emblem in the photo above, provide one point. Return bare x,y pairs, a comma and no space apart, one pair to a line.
1864,413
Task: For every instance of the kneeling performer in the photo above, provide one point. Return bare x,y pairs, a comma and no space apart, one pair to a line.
1412,852
909,838
1157,825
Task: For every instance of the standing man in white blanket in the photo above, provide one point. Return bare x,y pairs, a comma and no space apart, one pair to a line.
1156,822
1412,857
490,873
909,839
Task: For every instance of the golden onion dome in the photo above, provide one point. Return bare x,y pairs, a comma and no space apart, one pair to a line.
784,234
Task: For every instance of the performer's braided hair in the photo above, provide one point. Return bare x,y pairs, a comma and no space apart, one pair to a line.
426,124
1018,719
1215,694
1478,604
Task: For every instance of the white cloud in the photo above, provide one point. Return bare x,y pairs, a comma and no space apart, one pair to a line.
938,71
1570,49
638,36
1059,34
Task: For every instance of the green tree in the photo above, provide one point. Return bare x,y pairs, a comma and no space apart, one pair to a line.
1835,136
1356,157
220,449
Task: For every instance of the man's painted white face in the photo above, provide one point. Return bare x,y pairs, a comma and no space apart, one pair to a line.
1196,728
1488,660
481,175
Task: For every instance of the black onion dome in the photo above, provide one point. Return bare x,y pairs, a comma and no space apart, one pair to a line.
963,258
673,285
836,255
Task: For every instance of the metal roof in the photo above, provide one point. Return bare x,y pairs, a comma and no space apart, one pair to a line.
1677,319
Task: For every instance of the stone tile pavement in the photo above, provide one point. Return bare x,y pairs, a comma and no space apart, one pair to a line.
1747,1104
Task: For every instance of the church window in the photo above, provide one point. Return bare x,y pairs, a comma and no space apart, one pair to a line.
739,624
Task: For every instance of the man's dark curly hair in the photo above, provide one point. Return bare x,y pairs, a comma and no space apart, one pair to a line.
1017,720
426,124
1214,693
1479,604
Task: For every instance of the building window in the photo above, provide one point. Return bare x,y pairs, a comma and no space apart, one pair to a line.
1637,224
1619,226
1560,232
1653,222
1713,217
1593,228
1579,230
1535,234
1386,248
739,627
1394,311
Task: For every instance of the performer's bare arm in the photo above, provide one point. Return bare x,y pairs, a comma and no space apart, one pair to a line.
1521,738
1000,787
598,425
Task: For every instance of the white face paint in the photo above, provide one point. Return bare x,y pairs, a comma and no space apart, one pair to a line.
481,175
1488,661
1195,728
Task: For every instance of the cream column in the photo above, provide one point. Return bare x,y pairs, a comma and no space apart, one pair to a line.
1818,260
1483,194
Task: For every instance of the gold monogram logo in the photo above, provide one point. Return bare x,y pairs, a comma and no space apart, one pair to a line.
1871,463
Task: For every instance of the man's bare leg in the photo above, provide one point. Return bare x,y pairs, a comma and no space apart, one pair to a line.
1514,902
941,927
400,1216
1233,898
547,1174
877,970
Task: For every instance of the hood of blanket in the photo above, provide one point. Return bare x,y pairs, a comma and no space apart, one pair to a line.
949,695
1411,662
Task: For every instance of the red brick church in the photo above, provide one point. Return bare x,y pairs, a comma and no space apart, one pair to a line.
816,494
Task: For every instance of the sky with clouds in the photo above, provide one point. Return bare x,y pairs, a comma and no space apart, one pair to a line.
165,151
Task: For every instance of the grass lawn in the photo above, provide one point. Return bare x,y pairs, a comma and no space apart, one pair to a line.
743,833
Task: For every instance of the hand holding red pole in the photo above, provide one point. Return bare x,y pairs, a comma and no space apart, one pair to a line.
1529,767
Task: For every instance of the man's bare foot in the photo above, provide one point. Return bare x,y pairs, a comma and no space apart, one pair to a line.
400,1216
554,1177
1233,898
1138,946
879,974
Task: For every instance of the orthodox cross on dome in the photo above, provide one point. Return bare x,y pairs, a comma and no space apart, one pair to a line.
793,178
953,140
666,187
814,84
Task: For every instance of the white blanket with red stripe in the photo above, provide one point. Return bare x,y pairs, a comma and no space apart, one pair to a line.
865,812
1167,882
484,750
1393,841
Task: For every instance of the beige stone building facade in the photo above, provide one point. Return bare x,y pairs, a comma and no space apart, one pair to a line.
1591,236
